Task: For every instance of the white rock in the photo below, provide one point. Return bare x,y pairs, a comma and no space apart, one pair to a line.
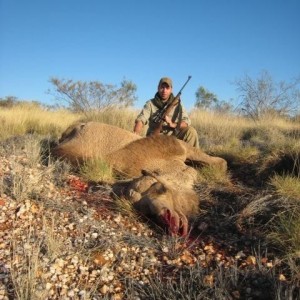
48,286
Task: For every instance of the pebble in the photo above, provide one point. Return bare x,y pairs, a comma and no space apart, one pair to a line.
66,238
104,289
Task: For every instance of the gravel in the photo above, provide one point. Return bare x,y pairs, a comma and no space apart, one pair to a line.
61,238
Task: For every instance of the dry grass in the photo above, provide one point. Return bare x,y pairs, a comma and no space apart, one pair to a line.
271,208
237,152
24,273
97,170
123,206
286,232
213,176
123,118
287,186
24,119
219,132
217,129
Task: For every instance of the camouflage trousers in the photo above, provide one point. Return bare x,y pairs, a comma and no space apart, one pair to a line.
188,135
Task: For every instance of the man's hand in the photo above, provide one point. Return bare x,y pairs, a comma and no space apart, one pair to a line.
169,122
138,127
183,125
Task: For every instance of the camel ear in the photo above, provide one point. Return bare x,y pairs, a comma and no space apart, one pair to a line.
153,173
144,172
159,188
134,196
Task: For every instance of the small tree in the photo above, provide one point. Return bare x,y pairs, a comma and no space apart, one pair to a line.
223,107
8,101
262,95
204,98
82,96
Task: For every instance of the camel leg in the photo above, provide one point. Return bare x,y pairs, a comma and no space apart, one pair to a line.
198,158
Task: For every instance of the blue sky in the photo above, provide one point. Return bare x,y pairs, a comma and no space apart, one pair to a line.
214,41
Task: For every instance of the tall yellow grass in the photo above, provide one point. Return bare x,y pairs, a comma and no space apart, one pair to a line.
241,138
28,119
211,126
228,131
215,128
123,118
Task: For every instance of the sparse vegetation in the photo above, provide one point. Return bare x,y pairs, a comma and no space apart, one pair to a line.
26,118
123,118
63,237
287,186
96,170
88,96
263,96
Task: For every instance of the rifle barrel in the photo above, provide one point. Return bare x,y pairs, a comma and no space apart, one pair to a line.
179,93
160,115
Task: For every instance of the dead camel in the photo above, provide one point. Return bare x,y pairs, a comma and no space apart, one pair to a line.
127,152
153,196
165,190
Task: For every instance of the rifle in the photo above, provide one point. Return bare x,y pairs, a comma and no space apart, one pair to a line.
160,116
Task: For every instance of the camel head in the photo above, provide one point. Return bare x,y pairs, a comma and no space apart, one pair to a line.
160,184
159,201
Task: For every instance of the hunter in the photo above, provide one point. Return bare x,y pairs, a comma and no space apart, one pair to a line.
176,122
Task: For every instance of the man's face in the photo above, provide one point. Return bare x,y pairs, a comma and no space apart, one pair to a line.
164,91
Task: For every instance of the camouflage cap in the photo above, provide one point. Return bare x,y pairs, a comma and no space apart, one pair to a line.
166,80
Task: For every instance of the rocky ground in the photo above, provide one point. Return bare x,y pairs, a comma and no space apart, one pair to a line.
62,238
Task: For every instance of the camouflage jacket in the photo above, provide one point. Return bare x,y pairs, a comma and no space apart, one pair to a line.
177,114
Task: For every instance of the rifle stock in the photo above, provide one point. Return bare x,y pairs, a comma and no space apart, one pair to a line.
169,107
160,117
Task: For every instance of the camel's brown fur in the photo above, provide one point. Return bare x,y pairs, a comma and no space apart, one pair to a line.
128,152
92,139
166,190
152,195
